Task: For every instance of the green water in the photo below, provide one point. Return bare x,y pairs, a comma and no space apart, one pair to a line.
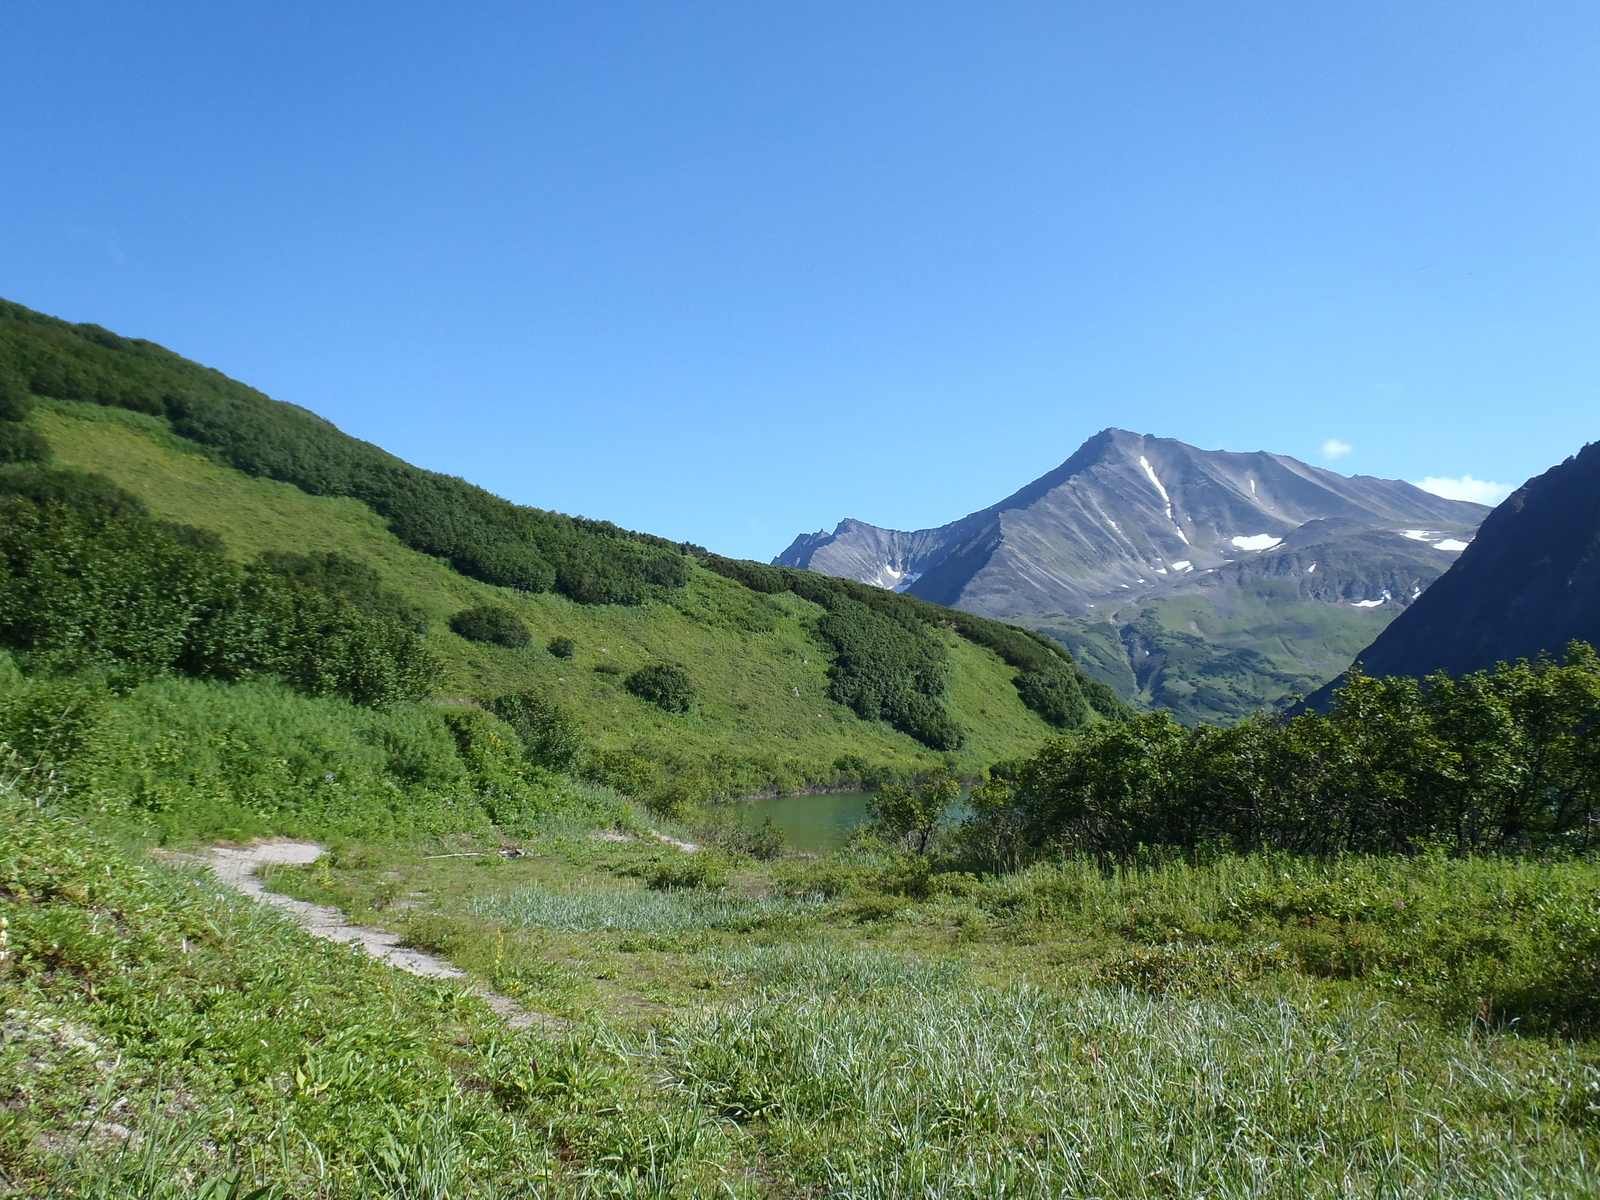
817,824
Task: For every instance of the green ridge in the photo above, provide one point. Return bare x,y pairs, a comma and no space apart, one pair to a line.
775,708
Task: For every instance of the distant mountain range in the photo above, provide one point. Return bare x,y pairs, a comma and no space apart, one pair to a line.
1210,582
1529,583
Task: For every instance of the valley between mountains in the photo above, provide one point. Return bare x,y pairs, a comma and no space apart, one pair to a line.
1116,923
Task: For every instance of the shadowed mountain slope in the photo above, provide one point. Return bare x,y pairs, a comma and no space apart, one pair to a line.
1528,584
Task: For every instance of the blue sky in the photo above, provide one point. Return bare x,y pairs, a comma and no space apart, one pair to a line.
732,271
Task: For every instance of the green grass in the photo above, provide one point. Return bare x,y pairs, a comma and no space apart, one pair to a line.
866,1025
655,912
163,1038
1023,1092
1255,1026
763,720
1218,657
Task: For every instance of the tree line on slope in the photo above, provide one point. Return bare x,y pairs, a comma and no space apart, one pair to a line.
1498,761
89,582
482,535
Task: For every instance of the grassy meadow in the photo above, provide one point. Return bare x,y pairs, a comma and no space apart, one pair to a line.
873,1023
864,1025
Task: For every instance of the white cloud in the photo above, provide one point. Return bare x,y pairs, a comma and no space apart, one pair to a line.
1479,491
1334,448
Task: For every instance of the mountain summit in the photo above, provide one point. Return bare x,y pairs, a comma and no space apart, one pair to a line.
1136,546
1126,513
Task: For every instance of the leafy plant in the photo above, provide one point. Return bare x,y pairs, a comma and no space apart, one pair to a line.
913,815
666,685
1499,760
549,734
491,624
561,647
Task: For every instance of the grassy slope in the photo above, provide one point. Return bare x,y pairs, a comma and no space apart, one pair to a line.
1303,645
749,654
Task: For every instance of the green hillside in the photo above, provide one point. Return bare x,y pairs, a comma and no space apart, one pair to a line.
790,691
1222,656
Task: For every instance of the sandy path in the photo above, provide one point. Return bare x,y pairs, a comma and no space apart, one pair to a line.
237,867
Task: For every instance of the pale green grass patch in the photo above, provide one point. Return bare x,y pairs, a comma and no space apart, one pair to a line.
650,912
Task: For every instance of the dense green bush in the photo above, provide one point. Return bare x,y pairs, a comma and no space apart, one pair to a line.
16,402
550,737
666,685
483,536
491,624
1500,760
19,444
335,574
913,815
87,583
890,669
562,647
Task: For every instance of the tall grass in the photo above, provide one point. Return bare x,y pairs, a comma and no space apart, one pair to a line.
1021,1093
684,910
188,758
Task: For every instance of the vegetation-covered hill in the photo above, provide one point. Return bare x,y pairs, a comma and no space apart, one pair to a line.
271,544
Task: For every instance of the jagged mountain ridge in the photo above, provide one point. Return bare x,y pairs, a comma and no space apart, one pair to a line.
1127,513
1528,584
1209,582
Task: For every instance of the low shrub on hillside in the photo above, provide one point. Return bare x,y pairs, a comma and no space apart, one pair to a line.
491,624
666,685
561,647
1502,760
335,574
19,444
550,737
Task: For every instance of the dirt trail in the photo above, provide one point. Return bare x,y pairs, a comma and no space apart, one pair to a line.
237,867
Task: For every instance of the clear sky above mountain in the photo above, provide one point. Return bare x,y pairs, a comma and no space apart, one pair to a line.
731,271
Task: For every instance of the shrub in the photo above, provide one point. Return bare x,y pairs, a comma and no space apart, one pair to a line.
491,624
19,444
86,582
680,870
764,843
1501,760
903,815
562,647
335,574
16,402
666,685
550,737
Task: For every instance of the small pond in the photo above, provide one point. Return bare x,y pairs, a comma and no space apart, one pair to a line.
815,824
